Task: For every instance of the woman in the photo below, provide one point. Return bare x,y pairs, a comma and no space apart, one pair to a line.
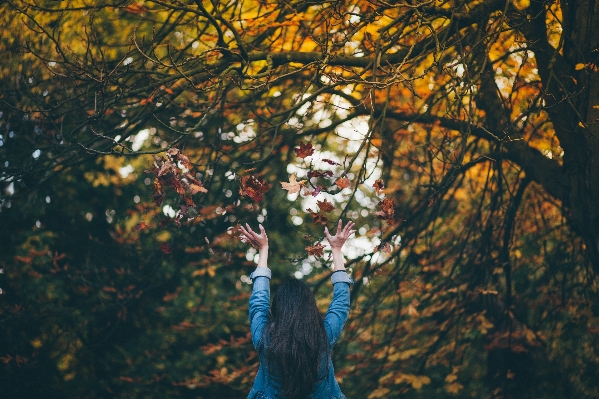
292,338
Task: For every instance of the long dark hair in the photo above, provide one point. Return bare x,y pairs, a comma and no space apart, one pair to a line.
296,341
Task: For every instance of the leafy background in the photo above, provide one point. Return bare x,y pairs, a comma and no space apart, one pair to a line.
460,136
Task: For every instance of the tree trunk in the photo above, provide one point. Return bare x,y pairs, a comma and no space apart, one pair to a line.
571,94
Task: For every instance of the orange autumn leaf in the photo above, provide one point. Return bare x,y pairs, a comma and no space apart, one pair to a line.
342,182
195,188
136,8
377,142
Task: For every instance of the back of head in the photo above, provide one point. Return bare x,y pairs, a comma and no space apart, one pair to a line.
297,340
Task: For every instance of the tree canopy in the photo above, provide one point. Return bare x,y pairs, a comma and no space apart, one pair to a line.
460,136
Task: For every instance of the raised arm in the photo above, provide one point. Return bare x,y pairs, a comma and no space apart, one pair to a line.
336,242
338,311
260,299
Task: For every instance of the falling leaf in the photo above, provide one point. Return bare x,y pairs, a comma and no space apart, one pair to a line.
342,182
194,188
387,210
136,8
315,250
581,125
304,150
376,142
184,160
331,162
579,66
318,173
325,206
317,191
379,186
596,106
293,186
253,187
318,217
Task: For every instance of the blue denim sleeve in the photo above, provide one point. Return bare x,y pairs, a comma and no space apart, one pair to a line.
338,311
259,303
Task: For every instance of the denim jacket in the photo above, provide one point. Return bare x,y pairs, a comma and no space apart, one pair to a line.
265,386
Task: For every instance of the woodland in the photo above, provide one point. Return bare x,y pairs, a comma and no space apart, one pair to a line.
461,136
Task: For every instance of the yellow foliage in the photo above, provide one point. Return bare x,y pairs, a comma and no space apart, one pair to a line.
454,387
521,4
379,393
416,381
484,324
403,355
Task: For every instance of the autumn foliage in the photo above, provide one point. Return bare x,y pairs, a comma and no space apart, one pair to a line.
460,136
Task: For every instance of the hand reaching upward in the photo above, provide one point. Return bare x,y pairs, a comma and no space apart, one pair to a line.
343,233
258,241
251,237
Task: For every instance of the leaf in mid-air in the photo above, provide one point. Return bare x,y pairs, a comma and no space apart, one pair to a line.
342,182
318,217
331,162
315,250
325,206
304,150
253,187
379,186
293,186
194,188
387,211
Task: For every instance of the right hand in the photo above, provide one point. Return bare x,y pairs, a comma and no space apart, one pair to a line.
256,240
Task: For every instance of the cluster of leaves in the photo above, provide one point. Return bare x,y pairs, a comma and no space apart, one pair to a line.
253,187
173,170
324,182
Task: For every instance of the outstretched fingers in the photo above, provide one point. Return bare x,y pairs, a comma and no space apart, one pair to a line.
251,237
347,230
